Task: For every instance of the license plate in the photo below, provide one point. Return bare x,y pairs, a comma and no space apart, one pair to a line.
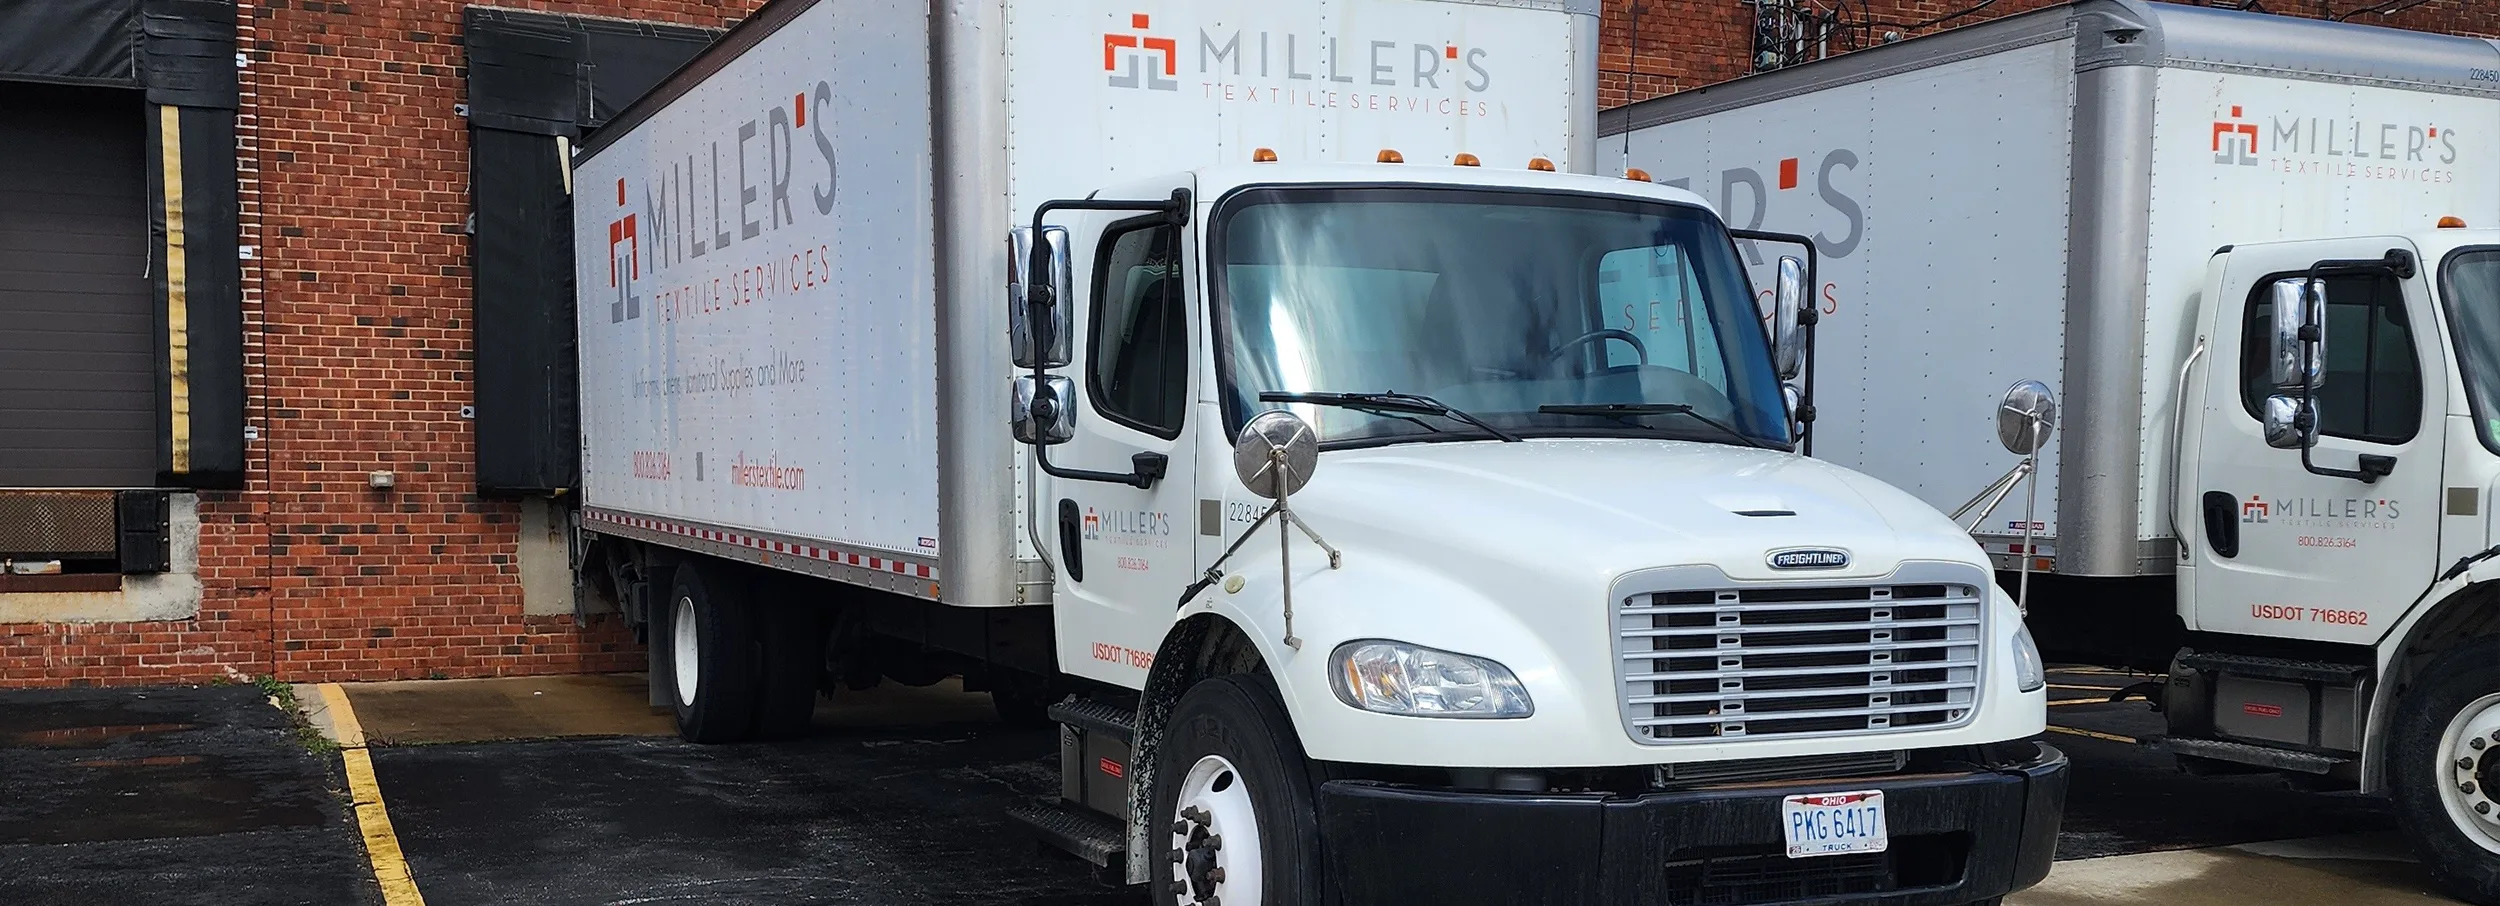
1829,824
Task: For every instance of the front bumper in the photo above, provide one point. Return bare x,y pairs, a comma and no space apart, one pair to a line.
1955,838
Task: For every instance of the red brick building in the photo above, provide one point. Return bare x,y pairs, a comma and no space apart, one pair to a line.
289,442
1655,47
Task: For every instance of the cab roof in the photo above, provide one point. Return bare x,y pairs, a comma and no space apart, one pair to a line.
1215,182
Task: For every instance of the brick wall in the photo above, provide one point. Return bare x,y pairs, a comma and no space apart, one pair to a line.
1681,44
354,177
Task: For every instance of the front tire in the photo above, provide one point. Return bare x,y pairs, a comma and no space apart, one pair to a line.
711,661
2444,763
1235,820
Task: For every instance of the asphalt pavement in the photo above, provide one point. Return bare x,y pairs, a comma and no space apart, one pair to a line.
172,796
571,792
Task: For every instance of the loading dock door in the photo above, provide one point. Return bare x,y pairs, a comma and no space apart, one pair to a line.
78,318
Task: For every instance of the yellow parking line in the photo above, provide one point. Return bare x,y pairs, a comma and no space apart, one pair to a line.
2086,688
390,866
342,717
2070,731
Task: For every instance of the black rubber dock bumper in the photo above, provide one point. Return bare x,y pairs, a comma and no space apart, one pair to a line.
1954,838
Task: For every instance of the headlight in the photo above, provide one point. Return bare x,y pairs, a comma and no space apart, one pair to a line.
2031,672
1411,680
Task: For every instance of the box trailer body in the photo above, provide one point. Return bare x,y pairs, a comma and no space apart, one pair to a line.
2243,248
2036,198
824,168
897,362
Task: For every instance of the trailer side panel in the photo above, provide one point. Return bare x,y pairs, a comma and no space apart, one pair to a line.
755,278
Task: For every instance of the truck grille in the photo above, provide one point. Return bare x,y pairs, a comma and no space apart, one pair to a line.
1787,660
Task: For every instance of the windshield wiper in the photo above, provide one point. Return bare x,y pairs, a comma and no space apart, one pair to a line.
1390,403
1626,411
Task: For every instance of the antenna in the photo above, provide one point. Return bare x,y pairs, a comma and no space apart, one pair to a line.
1631,62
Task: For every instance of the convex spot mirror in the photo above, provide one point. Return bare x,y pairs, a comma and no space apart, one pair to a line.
2298,307
2285,429
1043,414
1275,454
1042,344
2026,417
1788,352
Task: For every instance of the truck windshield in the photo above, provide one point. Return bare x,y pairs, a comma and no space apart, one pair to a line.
1616,317
2472,288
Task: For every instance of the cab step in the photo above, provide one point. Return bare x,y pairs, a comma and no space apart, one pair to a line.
1092,716
2276,668
2259,756
1088,835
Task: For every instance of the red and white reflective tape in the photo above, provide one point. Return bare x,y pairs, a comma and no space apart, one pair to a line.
811,552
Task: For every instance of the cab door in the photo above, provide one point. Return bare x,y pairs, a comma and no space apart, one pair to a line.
2286,552
1125,552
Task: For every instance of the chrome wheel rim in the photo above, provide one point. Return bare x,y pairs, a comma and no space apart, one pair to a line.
2469,754
684,664
1214,839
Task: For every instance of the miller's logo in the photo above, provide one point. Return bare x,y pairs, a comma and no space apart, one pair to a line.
2235,142
2335,146
1808,558
2255,510
624,264
1152,62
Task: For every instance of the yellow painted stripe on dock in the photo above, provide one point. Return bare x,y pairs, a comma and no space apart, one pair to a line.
390,866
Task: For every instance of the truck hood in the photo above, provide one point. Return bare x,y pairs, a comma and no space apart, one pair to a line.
1596,508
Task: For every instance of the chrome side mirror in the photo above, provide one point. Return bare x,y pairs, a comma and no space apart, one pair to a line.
2298,306
1024,336
1044,415
2285,427
1788,352
2026,417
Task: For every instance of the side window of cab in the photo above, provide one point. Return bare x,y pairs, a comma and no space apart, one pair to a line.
2373,387
1137,371
1653,293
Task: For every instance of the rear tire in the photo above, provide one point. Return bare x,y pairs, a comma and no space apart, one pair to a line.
1233,800
2444,759
711,640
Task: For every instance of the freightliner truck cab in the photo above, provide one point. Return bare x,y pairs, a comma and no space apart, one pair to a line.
2339,449
1439,534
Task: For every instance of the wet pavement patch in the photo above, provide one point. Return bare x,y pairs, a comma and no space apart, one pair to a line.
867,816
168,795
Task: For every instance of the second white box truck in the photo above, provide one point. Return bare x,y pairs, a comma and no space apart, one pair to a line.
2256,254
972,337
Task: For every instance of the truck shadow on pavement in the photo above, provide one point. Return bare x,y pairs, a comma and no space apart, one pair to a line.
865,811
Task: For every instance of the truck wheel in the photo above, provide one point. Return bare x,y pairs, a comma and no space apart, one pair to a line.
711,641
2444,763
1234,817
792,633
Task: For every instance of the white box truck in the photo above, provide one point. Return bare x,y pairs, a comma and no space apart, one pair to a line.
2286,507
928,340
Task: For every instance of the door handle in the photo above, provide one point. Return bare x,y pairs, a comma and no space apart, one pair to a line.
2222,523
1071,541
